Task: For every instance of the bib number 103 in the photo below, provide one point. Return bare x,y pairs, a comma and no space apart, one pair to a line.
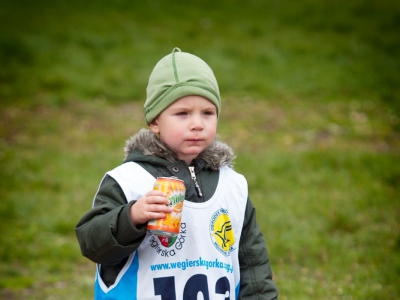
165,287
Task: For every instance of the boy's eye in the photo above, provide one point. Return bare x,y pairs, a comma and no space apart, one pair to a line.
181,113
209,113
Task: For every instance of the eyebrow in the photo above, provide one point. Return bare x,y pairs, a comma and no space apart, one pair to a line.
185,106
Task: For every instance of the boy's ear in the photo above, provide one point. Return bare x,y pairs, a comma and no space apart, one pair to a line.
154,126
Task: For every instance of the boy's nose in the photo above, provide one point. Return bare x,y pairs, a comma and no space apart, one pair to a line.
196,123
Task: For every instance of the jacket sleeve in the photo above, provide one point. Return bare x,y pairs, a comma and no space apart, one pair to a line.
255,270
106,233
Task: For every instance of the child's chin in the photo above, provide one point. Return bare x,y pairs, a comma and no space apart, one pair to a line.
194,152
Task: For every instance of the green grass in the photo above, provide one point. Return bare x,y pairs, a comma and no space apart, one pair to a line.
310,106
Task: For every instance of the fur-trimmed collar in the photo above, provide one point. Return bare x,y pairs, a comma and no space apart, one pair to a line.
217,155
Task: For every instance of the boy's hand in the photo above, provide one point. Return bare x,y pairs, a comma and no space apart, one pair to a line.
151,206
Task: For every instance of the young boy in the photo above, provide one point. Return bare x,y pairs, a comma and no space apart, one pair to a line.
220,251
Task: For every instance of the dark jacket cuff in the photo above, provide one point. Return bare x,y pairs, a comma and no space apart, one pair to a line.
127,233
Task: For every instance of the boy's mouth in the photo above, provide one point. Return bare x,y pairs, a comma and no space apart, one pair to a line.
194,140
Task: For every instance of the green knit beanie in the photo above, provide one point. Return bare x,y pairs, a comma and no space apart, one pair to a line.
177,75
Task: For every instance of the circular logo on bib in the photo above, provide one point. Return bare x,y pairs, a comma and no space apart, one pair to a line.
167,241
221,232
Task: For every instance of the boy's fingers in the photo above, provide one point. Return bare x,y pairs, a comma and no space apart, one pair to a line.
156,215
158,199
156,193
161,208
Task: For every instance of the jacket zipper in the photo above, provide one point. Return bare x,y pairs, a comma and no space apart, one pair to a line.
196,184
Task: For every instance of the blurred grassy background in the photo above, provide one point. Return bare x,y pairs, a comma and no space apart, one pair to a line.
310,105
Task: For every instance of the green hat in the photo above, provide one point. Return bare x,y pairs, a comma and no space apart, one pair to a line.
177,75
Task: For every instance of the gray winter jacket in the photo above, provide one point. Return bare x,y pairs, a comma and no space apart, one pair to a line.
107,236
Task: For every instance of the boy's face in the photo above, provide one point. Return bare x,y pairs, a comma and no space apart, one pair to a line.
187,126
